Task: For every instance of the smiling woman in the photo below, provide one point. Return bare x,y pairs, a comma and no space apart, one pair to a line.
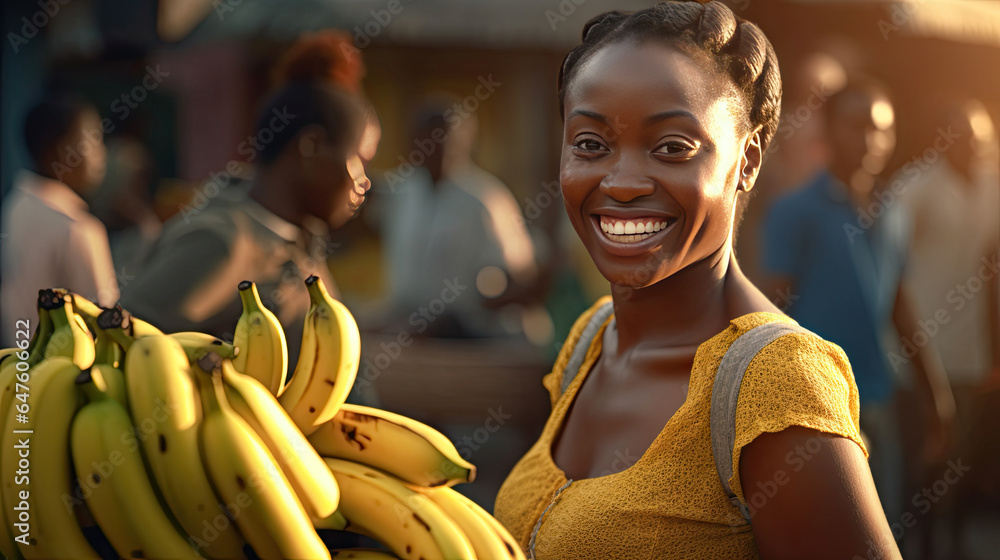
667,113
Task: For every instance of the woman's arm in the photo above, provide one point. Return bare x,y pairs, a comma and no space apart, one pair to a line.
812,496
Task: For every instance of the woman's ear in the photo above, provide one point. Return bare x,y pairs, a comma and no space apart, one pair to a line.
750,161
310,139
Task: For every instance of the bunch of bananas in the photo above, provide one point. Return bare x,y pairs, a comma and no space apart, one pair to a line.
182,445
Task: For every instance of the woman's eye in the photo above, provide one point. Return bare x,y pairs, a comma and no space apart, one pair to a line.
589,145
675,148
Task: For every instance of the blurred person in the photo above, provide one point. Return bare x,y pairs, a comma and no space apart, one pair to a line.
797,154
309,178
954,204
452,233
954,201
842,271
330,56
124,202
50,239
667,113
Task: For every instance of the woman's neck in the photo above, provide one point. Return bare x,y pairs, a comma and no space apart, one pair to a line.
272,190
685,309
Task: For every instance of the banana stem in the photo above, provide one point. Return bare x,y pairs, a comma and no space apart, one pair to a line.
85,308
249,296
317,290
36,349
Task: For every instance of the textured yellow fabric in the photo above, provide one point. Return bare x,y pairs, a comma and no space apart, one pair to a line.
670,504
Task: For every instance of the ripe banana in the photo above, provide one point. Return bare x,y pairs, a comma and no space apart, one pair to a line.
70,336
107,350
83,307
8,378
362,554
313,482
123,327
331,362
490,540
165,407
196,345
52,401
409,523
114,481
401,446
261,340
244,473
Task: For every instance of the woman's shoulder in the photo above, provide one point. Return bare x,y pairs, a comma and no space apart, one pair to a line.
593,317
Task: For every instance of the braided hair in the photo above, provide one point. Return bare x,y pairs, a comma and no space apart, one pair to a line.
738,48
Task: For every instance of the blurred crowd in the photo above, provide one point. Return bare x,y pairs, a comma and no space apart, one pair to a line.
897,264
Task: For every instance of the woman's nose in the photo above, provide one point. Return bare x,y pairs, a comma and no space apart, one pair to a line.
626,183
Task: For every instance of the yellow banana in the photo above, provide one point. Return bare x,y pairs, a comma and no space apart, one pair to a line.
244,473
114,481
335,357
123,327
165,407
107,350
15,369
83,307
401,446
70,337
263,353
313,482
362,554
409,523
489,539
304,366
196,345
8,547
52,401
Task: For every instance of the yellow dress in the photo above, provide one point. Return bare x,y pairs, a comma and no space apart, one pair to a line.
670,503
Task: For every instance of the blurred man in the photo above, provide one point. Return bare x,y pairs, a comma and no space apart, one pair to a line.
50,239
453,233
954,202
839,251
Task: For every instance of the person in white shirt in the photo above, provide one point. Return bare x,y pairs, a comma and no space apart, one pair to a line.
50,239
954,201
453,232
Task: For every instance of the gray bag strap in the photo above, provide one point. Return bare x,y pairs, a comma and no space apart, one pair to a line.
726,394
583,344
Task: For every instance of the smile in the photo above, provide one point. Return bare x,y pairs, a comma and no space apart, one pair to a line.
632,230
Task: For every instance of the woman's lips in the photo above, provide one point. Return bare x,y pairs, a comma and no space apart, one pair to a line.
627,245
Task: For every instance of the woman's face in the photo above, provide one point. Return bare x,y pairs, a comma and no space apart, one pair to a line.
653,150
337,188
349,196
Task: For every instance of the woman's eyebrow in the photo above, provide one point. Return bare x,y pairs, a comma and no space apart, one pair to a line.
589,114
659,117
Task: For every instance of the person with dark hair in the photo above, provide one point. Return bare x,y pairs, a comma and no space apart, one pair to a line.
50,239
691,418
841,252
309,178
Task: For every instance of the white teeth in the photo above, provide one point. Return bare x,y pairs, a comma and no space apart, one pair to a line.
630,231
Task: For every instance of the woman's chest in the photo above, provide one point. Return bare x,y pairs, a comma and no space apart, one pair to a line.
614,420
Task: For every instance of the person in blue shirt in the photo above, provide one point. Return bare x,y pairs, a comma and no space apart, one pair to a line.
838,247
